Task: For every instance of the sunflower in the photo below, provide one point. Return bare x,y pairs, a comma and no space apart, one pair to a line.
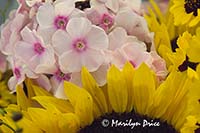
189,45
127,103
6,97
165,35
186,12
13,121
169,39
194,47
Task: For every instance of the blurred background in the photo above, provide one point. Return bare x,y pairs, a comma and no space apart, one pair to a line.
5,7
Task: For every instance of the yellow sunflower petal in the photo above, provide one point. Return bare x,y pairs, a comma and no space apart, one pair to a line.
22,100
194,97
193,52
97,94
143,89
6,119
170,95
177,58
157,10
30,90
40,91
63,105
105,91
195,21
183,41
45,120
165,51
128,71
192,74
68,123
198,69
198,32
82,102
117,90
28,126
190,126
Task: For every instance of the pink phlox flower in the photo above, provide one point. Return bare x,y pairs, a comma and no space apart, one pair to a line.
113,5
34,53
118,5
99,75
20,71
52,17
130,4
10,33
43,81
159,66
57,82
127,48
82,44
99,15
135,25
32,3
18,74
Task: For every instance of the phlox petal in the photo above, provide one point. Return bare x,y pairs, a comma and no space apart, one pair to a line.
46,33
117,38
97,38
45,15
92,59
70,62
113,5
24,50
61,42
28,36
78,27
64,7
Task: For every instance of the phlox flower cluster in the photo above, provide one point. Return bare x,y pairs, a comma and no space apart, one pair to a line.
49,41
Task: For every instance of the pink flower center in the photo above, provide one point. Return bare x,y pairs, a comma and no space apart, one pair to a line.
60,22
60,76
17,73
107,20
38,48
80,45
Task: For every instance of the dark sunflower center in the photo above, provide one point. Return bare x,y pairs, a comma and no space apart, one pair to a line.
192,6
198,129
174,44
184,66
82,4
128,123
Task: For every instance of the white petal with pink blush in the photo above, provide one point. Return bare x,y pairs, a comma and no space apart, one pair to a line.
57,83
117,38
52,17
86,46
135,25
118,5
137,54
19,72
10,33
34,52
61,42
99,15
